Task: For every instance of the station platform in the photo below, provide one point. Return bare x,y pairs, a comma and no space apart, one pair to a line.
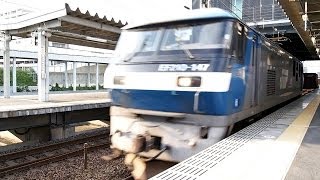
23,105
282,145
23,110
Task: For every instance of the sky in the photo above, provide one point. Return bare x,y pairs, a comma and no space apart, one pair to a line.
126,10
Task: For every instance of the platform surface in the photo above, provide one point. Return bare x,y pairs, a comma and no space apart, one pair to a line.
282,145
306,164
23,105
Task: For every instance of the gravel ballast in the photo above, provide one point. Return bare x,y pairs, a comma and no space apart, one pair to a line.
73,168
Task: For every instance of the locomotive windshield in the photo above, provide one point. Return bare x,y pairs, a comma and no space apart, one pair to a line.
175,42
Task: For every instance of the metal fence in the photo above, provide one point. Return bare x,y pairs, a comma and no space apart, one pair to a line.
266,10
252,10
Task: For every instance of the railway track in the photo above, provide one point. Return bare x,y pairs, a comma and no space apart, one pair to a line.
307,91
29,158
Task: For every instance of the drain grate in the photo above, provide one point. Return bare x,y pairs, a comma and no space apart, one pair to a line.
195,166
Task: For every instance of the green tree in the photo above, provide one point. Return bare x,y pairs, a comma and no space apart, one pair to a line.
1,76
24,77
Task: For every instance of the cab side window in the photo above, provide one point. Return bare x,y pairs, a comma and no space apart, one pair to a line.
294,68
239,42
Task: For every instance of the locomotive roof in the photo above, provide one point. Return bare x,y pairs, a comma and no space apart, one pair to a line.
188,15
198,14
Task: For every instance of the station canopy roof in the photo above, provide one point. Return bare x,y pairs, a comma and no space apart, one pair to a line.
295,9
69,23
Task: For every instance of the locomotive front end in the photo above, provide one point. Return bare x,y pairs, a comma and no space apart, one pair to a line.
170,87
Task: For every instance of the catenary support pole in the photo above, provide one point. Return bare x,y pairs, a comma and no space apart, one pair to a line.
66,84
6,64
14,76
74,76
43,65
88,83
97,76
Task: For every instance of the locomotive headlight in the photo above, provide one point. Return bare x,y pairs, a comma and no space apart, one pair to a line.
119,80
194,81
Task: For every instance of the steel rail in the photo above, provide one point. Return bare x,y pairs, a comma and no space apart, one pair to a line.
46,160
19,154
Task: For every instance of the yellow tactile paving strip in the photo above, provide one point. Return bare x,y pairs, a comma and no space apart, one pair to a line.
264,150
296,131
293,136
266,159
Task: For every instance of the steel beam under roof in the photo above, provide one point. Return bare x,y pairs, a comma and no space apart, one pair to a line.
68,25
295,10
59,57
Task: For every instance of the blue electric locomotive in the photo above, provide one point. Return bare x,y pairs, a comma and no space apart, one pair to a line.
180,84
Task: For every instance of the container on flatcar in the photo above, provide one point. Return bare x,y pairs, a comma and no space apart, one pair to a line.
310,81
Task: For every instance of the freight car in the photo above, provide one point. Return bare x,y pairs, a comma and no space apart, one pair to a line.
310,81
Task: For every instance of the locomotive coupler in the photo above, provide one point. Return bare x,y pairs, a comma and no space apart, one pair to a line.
134,143
128,142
